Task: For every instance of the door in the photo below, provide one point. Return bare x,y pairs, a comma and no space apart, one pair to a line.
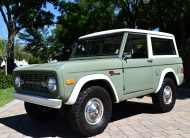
137,67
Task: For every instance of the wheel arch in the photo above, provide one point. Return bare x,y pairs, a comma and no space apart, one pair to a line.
168,73
90,80
102,83
171,76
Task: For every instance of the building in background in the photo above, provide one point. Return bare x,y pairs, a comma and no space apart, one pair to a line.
18,63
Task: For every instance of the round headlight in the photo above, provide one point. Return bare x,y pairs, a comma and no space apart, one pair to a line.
51,84
17,81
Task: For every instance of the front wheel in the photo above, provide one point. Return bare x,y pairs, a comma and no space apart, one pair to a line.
164,99
40,113
91,113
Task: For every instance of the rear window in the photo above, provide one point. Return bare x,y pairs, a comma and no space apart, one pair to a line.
162,46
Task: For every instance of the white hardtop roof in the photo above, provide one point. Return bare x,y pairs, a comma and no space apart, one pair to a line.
127,30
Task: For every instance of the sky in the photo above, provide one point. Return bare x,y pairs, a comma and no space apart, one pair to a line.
3,29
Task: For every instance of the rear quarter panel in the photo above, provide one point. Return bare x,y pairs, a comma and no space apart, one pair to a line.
159,64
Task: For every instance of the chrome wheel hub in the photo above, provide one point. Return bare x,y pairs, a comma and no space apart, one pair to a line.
167,95
94,111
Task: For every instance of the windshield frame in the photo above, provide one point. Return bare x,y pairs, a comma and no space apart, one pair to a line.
72,57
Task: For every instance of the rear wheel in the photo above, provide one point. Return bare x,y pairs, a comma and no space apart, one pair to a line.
164,99
40,113
91,113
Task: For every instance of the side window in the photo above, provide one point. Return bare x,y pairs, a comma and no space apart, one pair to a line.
136,46
162,46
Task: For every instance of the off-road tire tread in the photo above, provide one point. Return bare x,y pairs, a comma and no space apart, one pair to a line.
73,112
157,98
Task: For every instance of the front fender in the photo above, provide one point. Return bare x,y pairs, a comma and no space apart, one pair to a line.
83,81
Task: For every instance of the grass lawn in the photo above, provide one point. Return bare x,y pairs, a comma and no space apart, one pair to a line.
5,96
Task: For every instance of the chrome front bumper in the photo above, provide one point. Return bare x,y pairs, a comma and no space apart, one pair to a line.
53,103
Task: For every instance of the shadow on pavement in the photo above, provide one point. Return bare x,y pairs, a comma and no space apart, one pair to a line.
29,127
59,127
127,109
183,93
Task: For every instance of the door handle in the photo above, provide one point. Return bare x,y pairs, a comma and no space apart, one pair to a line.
150,60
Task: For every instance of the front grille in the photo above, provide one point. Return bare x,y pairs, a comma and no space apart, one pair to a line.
35,82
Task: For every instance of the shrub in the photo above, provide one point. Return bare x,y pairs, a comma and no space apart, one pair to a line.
5,81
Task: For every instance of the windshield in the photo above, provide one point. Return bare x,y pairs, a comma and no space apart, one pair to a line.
98,46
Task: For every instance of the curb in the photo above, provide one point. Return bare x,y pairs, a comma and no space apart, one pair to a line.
5,107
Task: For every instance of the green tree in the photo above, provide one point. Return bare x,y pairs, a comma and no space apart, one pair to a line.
36,42
20,53
2,50
77,18
23,14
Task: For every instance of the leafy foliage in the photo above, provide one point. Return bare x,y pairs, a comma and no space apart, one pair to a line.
36,60
37,42
19,51
5,81
83,17
21,54
23,14
79,17
2,49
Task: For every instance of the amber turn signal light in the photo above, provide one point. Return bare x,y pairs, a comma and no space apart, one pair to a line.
69,82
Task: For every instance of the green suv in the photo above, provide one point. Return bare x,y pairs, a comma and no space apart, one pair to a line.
105,68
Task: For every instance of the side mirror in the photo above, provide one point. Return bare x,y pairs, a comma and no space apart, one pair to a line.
127,55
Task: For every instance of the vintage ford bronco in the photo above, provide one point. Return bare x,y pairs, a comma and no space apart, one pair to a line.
105,68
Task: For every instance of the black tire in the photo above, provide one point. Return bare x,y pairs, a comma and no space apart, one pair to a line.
77,116
40,113
165,104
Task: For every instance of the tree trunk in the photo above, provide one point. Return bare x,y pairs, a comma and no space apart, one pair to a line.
10,58
10,50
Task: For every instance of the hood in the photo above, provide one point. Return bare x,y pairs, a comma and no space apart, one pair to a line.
91,65
75,66
40,67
